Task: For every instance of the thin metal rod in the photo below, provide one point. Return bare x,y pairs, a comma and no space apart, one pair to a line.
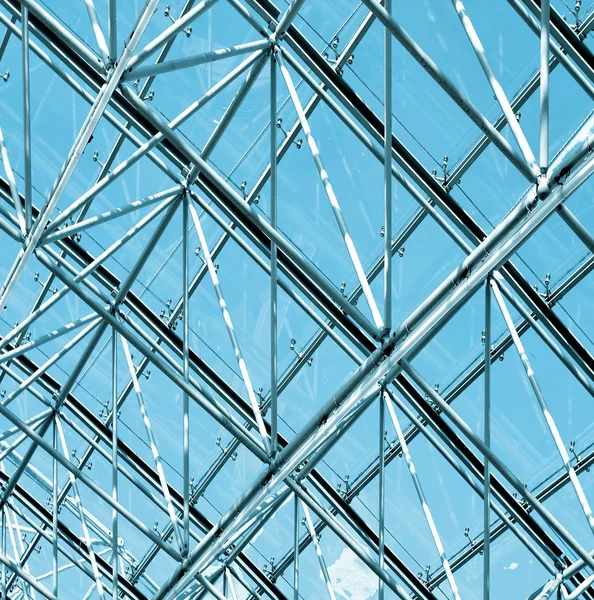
109,215
48,337
16,531
465,473
112,29
576,226
529,318
197,393
580,589
231,584
354,256
273,261
152,442
357,548
186,374
170,33
381,493
86,131
545,28
55,484
512,121
286,20
552,426
144,148
448,86
23,387
387,180
98,31
27,192
3,509
296,554
282,282
89,482
427,512
6,37
81,513
176,64
114,462
14,193
487,440
230,330
15,234
22,573
498,464
31,421
320,555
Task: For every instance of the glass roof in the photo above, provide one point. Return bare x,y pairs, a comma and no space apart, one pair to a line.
248,348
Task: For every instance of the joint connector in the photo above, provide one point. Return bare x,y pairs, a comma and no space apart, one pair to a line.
543,187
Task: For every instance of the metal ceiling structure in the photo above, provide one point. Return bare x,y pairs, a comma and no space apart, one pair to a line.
133,388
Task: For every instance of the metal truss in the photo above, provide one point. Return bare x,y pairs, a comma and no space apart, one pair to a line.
58,517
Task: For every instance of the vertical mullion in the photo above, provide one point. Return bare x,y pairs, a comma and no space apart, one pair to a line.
273,261
114,459
296,548
186,367
487,436
382,491
26,116
387,173
545,10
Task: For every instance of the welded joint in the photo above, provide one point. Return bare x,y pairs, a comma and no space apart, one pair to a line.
543,186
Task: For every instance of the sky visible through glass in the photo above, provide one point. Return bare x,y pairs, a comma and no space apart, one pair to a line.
230,291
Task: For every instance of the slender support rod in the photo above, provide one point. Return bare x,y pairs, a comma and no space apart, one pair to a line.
170,33
387,176
112,29
417,483
86,131
381,493
545,29
487,440
448,86
193,61
98,31
296,548
152,442
347,239
3,509
55,511
288,18
512,121
48,337
86,224
114,462
14,193
231,330
273,261
81,512
186,375
26,118
320,555
552,426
